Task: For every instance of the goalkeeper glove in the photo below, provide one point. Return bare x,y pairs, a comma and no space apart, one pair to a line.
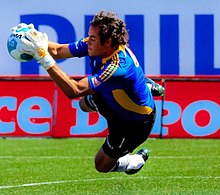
37,45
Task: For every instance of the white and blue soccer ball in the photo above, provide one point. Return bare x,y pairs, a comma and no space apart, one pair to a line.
14,43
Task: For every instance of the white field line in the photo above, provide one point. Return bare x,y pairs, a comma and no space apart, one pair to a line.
107,179
90,157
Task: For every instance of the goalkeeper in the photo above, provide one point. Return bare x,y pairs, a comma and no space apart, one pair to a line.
116,89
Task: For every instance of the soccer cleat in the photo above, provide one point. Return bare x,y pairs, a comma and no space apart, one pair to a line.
145,155
156,89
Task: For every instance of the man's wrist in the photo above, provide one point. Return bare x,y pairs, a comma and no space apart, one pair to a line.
47,61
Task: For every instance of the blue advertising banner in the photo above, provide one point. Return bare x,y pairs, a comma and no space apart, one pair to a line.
169,37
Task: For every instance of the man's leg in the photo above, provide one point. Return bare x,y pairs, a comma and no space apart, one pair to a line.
129,164
114,155
118,162
104,163
87,104
155,88
132,163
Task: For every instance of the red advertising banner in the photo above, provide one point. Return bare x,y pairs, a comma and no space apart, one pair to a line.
71,121
191,109
26,108
38,108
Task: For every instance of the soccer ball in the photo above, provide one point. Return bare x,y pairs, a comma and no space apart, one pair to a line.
13,44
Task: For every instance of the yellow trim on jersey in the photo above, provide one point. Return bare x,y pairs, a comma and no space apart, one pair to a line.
122,98
112,67
120,48
110,70
85,39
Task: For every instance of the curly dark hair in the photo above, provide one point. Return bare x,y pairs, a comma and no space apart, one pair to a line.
110,26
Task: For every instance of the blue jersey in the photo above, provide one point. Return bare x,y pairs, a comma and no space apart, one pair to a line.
118,82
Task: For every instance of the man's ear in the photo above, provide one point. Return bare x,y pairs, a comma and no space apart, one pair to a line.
108,42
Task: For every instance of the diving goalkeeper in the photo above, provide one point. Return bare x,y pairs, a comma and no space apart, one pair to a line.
117,88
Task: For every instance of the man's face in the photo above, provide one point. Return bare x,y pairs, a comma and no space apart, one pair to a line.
94,46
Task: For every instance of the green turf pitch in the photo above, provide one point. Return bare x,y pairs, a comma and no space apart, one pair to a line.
66,166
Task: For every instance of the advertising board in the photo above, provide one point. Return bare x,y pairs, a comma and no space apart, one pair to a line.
168,36
189,109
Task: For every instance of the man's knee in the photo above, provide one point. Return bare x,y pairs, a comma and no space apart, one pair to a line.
100,167
104,163
87,105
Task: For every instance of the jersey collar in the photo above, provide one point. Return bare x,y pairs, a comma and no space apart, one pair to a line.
120,48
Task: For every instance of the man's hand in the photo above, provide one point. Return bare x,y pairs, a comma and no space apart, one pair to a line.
37,45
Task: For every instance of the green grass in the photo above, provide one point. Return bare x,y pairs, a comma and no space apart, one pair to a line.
66,166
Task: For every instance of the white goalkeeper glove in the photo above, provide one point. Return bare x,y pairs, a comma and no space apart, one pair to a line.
37,45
